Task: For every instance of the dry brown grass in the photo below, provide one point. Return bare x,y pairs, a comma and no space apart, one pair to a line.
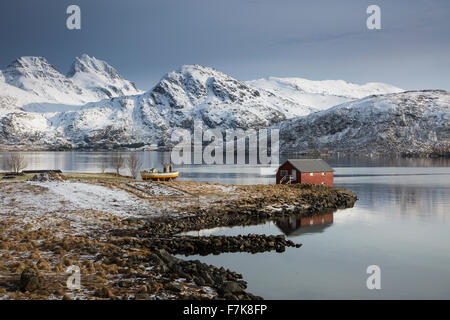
97,176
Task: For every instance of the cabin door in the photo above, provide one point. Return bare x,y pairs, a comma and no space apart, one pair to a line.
294,175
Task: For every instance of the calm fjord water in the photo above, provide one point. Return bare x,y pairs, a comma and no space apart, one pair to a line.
401,223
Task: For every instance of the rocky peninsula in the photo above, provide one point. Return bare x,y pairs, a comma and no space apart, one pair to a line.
125,237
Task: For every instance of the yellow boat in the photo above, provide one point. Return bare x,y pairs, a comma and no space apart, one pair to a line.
154,175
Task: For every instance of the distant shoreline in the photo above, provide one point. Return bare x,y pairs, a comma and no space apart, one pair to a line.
353,154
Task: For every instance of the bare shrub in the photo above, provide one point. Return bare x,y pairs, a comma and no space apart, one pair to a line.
134,164
117,162
104,164
102,167
16,162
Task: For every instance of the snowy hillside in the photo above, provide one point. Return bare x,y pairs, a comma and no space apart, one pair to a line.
321,95
409,122
13,98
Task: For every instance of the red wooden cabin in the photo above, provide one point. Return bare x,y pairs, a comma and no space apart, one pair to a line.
314,171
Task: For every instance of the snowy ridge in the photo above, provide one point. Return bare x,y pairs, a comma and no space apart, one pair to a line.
321,94
408,122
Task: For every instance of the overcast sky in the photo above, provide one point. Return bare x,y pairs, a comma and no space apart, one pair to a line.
248,39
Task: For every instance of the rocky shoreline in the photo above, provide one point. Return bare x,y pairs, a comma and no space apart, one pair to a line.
204,245
163,234
278,201
134,257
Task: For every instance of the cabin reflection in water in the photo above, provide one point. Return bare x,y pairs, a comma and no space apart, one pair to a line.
294,226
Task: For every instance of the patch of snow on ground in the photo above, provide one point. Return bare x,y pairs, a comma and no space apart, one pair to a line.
94,197
225,188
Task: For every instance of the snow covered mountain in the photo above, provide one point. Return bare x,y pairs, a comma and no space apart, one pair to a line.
191,93
321,95
89,80
94,107
412,122
182,97
35,75
195,92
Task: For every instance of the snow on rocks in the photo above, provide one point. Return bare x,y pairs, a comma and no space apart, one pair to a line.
47,176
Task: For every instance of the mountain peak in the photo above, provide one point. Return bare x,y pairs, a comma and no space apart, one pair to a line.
194,72
29,66
191,85
29,61
89,79
190,68
97,75
88,64
38,76
202,72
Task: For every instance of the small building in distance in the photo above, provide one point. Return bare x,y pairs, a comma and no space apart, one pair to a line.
315,171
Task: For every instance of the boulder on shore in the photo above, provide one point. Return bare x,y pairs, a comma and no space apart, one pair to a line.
29,280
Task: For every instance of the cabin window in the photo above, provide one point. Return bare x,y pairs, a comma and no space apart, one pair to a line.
323,173
311,174
283,173
323,182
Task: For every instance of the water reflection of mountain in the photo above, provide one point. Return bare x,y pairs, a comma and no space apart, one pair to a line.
295,226
387,162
